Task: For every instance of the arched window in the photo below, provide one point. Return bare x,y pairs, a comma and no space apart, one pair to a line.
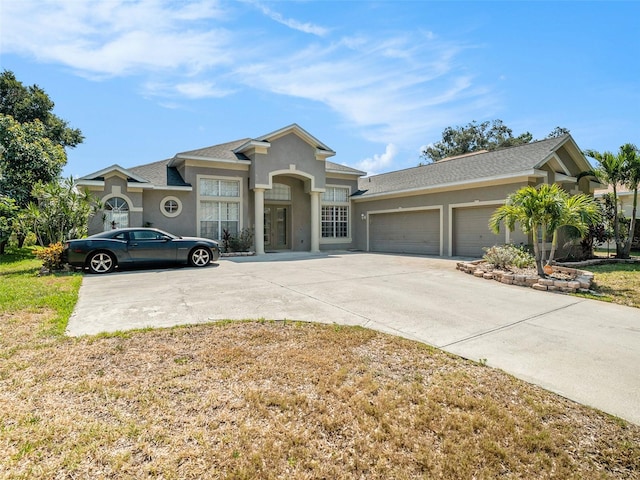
116,213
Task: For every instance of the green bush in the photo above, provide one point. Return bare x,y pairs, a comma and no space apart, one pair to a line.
505,256
243,242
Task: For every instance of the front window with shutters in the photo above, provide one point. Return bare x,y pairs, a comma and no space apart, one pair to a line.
335,213
219,206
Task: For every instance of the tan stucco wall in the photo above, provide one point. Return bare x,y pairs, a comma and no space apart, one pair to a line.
291,154
444,199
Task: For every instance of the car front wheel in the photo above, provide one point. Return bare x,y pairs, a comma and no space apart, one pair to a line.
101,262
200,257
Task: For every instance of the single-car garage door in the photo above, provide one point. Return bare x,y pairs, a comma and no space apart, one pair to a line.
405,232
471,231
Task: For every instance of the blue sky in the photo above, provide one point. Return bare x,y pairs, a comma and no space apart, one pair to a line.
375,81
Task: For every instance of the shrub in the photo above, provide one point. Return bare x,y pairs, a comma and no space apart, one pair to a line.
243,242
504,256
51,256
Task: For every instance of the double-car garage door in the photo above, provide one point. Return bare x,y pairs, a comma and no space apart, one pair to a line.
418,231
415,231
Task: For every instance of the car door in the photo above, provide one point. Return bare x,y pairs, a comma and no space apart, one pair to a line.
149,246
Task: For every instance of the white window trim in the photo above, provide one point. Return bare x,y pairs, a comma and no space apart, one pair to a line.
348,204
165,200
239,199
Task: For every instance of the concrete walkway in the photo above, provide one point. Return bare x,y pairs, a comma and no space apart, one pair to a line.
585,350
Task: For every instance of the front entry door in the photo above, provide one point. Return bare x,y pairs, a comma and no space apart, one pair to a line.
276,227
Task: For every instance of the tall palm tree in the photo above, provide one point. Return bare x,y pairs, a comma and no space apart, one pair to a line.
611,171
542,212
631,157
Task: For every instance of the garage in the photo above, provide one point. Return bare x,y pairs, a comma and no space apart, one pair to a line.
471,231
416,231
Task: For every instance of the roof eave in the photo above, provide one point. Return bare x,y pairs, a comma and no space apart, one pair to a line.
209,159
499,179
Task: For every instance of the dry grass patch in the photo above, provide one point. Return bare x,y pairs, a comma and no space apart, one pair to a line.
275,400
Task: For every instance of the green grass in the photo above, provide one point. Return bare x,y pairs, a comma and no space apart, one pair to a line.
22,289
616,283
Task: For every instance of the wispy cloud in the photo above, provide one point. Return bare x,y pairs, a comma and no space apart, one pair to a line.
118,37
306,27
392,88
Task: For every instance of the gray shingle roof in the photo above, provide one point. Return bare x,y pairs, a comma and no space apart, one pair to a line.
503,162
223,151
336,167
159,174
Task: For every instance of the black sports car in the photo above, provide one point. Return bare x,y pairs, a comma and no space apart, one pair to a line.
103,252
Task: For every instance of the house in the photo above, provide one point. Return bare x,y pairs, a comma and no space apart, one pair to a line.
283,185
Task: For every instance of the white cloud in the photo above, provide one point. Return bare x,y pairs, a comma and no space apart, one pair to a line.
379,162
188,90
390,88
305,27
116,37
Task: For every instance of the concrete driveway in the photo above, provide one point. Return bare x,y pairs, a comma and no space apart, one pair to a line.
585,350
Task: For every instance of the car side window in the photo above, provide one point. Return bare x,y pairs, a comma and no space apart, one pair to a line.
146,235
121,236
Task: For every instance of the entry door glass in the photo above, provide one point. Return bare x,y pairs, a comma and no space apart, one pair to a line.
276,227
267,226
281,227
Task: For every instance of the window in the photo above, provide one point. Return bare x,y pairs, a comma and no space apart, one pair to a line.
171,206
116,213
335,213
219,207
146,235
278,192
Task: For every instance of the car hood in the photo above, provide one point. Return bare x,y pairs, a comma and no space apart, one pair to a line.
198,239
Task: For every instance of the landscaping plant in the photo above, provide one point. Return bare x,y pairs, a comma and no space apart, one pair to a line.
506,256
541,212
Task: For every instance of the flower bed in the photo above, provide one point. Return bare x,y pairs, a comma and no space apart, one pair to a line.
562,279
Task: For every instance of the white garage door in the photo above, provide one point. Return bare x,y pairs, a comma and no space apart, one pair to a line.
405,232
471,231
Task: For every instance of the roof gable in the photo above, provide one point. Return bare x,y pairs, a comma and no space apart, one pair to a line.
115,169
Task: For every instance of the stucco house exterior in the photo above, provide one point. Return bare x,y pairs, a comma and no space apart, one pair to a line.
283,185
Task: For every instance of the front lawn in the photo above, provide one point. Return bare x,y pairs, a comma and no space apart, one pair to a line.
272,400
617,283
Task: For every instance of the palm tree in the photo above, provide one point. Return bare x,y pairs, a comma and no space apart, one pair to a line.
577,212
611,171
541,212
532,208
631,157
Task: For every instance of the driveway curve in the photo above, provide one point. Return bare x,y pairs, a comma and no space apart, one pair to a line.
585,350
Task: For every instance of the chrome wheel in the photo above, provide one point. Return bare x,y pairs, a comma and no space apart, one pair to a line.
101,262
200,257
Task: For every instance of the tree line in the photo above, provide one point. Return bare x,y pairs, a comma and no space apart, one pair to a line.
34,198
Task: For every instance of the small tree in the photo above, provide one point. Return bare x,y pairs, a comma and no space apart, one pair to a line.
611,171
61,213
631,159
541,212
